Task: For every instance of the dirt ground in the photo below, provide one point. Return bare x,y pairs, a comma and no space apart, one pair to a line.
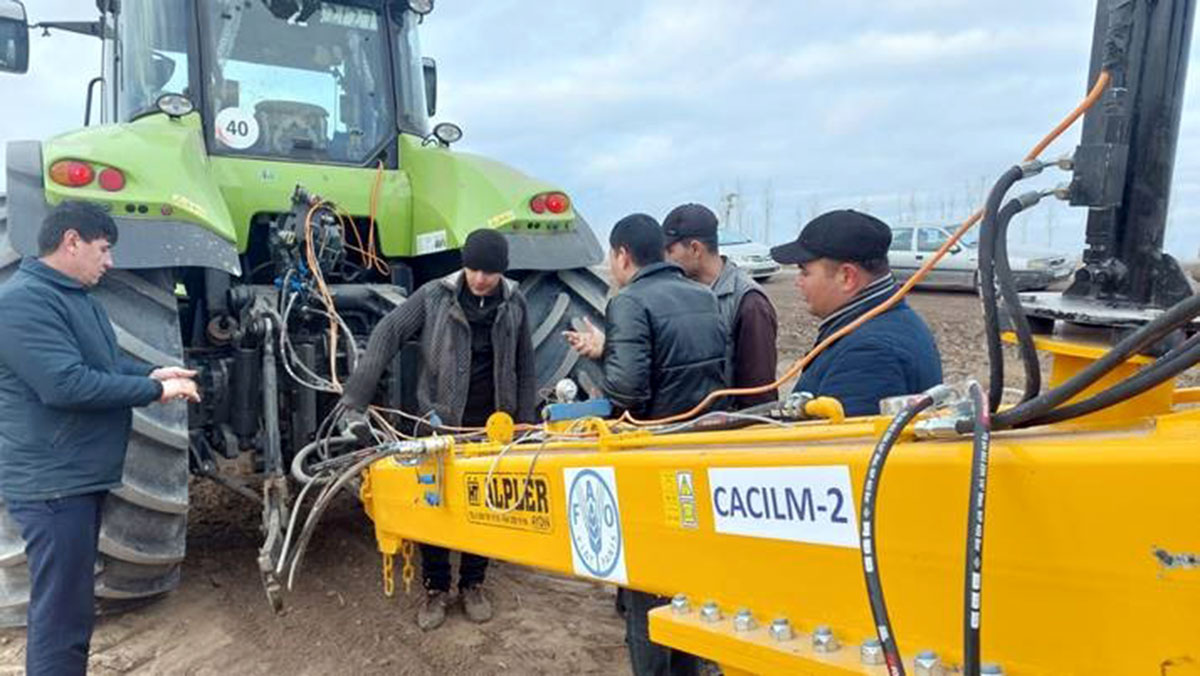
339,622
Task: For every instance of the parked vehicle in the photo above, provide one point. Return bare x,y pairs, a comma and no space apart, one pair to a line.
1033,268
747,254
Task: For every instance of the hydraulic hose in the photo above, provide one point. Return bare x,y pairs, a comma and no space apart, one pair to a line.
870,492
973,575
987,282
1175,317
1012,297
1164,368
301,458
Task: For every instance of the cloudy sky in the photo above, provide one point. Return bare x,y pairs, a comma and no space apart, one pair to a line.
907,108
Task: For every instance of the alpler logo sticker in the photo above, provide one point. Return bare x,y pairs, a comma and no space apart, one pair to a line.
517,501
594,517
803,504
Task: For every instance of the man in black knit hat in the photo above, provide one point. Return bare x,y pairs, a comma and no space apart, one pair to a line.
476,358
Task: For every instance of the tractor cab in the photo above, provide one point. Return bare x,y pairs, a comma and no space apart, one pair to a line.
317,82
312,81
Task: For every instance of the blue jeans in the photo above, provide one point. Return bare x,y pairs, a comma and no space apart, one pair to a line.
61,536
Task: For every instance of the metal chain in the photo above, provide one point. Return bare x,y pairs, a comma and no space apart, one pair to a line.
408,572
389,575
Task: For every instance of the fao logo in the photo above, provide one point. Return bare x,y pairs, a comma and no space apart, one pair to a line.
595,524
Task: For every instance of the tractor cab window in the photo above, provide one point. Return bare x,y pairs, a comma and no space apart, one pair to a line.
309,84
153,54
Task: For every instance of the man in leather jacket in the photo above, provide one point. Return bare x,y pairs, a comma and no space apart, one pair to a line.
663,350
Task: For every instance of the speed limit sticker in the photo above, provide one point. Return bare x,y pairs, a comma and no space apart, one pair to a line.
236,128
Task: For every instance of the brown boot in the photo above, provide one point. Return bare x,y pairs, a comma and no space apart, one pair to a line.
432,612
476,603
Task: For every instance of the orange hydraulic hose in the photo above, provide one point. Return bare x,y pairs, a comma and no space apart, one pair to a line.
375,262
800,364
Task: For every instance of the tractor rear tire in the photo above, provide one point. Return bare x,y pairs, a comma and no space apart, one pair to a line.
559,300
144,526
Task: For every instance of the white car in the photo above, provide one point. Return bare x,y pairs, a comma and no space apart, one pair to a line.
1033,269
747,254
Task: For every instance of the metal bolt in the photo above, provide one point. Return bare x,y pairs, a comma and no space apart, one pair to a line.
991,670
927,664
680,604
872,651
710,612
744,620
781,629
824,641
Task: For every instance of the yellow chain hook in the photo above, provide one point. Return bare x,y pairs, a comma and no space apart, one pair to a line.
389,575
408,572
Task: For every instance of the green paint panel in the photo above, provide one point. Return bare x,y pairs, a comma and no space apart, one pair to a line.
431,204
164,163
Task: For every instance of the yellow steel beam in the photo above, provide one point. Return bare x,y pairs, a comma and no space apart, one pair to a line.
1090,552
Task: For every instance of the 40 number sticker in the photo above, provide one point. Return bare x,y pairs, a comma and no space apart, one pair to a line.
236,128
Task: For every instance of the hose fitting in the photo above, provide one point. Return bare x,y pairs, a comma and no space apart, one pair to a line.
1031,168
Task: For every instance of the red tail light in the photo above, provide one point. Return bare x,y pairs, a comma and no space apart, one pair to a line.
71,173
557,202
538,204
111,179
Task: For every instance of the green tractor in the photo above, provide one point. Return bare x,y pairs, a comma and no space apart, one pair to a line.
241,145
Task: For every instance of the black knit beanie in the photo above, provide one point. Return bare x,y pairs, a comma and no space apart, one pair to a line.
485,250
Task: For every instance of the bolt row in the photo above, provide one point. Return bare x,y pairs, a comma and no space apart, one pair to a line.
927,663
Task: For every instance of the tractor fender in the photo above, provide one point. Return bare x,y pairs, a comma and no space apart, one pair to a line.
144,242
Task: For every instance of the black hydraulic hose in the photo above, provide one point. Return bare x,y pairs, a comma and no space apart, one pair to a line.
1012,298
1175,317
987,282
883,625
973,575
1164,368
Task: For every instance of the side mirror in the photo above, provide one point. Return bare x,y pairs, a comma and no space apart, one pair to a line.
429,69
955,249
14,37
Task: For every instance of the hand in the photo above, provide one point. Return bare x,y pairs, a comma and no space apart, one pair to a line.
169,372
589,342
179,388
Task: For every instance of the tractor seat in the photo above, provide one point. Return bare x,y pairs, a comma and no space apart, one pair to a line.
288,126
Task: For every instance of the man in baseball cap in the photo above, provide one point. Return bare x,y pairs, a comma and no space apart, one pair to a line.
843,274
690,234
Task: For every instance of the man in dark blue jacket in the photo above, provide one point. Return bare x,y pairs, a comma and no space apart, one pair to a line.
842,256
66,395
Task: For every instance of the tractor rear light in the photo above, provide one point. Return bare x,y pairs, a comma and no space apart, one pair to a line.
557,202
538,204
71,173
111,179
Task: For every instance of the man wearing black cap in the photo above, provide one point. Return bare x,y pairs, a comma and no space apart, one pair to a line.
690,232
844,273
476,358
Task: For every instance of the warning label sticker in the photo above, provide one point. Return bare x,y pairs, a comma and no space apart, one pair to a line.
679,498
517,501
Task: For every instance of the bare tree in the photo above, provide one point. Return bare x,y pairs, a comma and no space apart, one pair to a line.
768,210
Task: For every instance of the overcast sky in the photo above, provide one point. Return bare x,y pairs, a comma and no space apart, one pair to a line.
907,108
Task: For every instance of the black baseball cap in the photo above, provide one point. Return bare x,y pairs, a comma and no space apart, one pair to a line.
689,221
842,235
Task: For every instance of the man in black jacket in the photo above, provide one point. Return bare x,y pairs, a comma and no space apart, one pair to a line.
476,358
664,350
66,395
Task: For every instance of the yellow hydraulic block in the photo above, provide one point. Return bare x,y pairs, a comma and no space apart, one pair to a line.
1091,554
